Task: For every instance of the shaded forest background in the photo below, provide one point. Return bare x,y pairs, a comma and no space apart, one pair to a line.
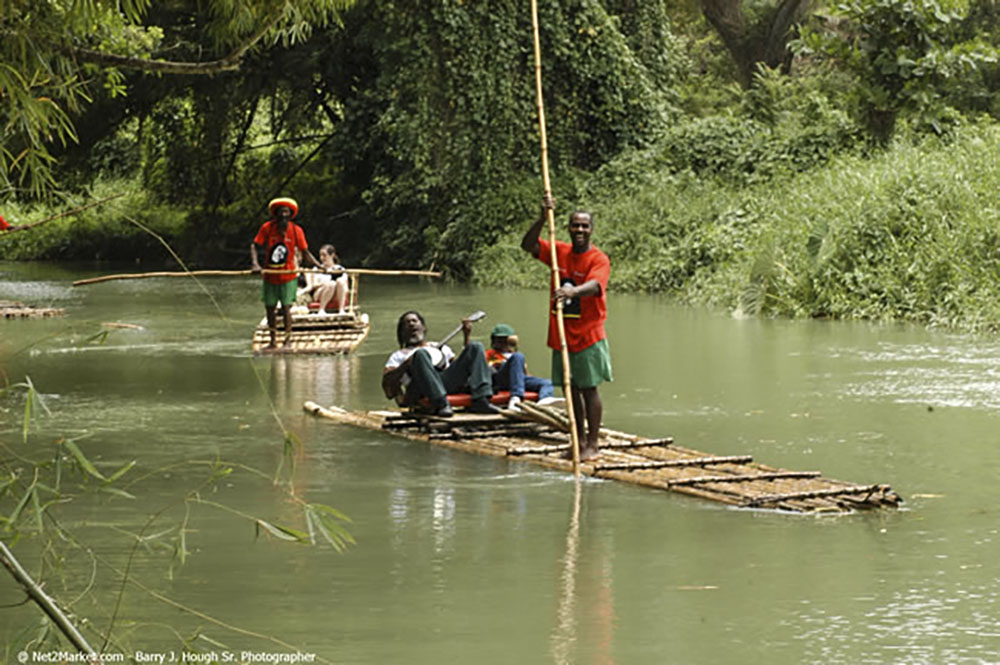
797,158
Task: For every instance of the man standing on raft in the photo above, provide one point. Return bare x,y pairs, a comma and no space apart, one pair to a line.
280,238
583,278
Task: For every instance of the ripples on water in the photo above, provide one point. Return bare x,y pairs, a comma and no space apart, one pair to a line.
964,375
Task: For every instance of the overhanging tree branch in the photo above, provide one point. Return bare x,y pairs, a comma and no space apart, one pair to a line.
229,63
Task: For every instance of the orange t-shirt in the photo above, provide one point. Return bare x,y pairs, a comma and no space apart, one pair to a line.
583,317
280,251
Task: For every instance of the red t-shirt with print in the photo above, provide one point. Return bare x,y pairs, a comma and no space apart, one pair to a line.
280,250
583,317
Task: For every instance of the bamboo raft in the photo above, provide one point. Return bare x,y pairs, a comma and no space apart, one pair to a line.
17,310
326,333
317,333
539,435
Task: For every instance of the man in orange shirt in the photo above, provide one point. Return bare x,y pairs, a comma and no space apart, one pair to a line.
5,226
280,238
583,277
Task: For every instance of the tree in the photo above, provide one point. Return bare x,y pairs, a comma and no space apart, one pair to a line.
915,57
55,56
756,36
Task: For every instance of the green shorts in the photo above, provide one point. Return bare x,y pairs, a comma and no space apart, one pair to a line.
588,368
272,294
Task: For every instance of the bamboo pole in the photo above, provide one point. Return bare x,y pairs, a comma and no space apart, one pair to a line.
74,211
550,215
233,273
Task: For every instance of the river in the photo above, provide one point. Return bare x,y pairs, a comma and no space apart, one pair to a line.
460,558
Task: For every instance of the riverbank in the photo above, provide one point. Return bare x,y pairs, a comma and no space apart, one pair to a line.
905,234
909,234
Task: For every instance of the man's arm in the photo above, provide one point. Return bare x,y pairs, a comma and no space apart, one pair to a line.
254,263
568,291
312,258
392,378
529,242
466,331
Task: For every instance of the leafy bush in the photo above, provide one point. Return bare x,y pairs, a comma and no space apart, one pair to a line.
907,234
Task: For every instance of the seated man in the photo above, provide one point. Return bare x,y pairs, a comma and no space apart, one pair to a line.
509,369
420,369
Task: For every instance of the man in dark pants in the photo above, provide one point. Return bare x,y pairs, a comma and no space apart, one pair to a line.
420,369
583,277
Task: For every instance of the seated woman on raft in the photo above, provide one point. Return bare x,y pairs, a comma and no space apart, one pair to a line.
323,289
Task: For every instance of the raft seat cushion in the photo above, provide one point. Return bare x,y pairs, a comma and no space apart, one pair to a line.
500,397
330,306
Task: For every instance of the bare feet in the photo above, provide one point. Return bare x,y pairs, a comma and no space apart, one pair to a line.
586,453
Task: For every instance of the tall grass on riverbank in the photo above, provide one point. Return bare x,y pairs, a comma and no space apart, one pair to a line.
909,234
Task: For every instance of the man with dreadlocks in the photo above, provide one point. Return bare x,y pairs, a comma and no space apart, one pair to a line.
420,369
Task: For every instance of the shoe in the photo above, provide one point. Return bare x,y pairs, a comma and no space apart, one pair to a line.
551,401
444,411
483,405
514,403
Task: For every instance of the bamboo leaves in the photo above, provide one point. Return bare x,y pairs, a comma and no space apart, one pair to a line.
281,532
328,522
81,459
32,403
324,523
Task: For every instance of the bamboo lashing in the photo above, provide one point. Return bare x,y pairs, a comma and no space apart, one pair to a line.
775,475
662,464
777,498
550,215
237,273
733,480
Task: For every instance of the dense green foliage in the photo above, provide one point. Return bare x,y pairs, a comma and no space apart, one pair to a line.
921,57
407,131
909,234
57,57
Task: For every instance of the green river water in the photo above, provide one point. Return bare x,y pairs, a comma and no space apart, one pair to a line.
467,559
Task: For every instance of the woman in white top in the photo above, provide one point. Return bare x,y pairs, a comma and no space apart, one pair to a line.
322,287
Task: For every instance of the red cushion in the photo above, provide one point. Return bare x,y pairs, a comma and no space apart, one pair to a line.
330,306
501,397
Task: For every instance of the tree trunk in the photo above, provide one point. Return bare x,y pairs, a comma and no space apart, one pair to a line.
765,42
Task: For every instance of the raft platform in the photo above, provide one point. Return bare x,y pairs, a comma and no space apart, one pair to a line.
18,310
314,333
539,435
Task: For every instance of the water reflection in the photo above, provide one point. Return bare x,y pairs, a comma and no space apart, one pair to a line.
585,623
323,379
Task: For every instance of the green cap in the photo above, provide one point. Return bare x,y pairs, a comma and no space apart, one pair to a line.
502,330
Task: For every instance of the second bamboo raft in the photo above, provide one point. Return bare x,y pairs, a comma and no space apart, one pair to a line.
538,436
325,333
18,310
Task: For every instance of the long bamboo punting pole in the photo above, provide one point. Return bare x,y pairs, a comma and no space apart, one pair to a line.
550,214
231,273
74,211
